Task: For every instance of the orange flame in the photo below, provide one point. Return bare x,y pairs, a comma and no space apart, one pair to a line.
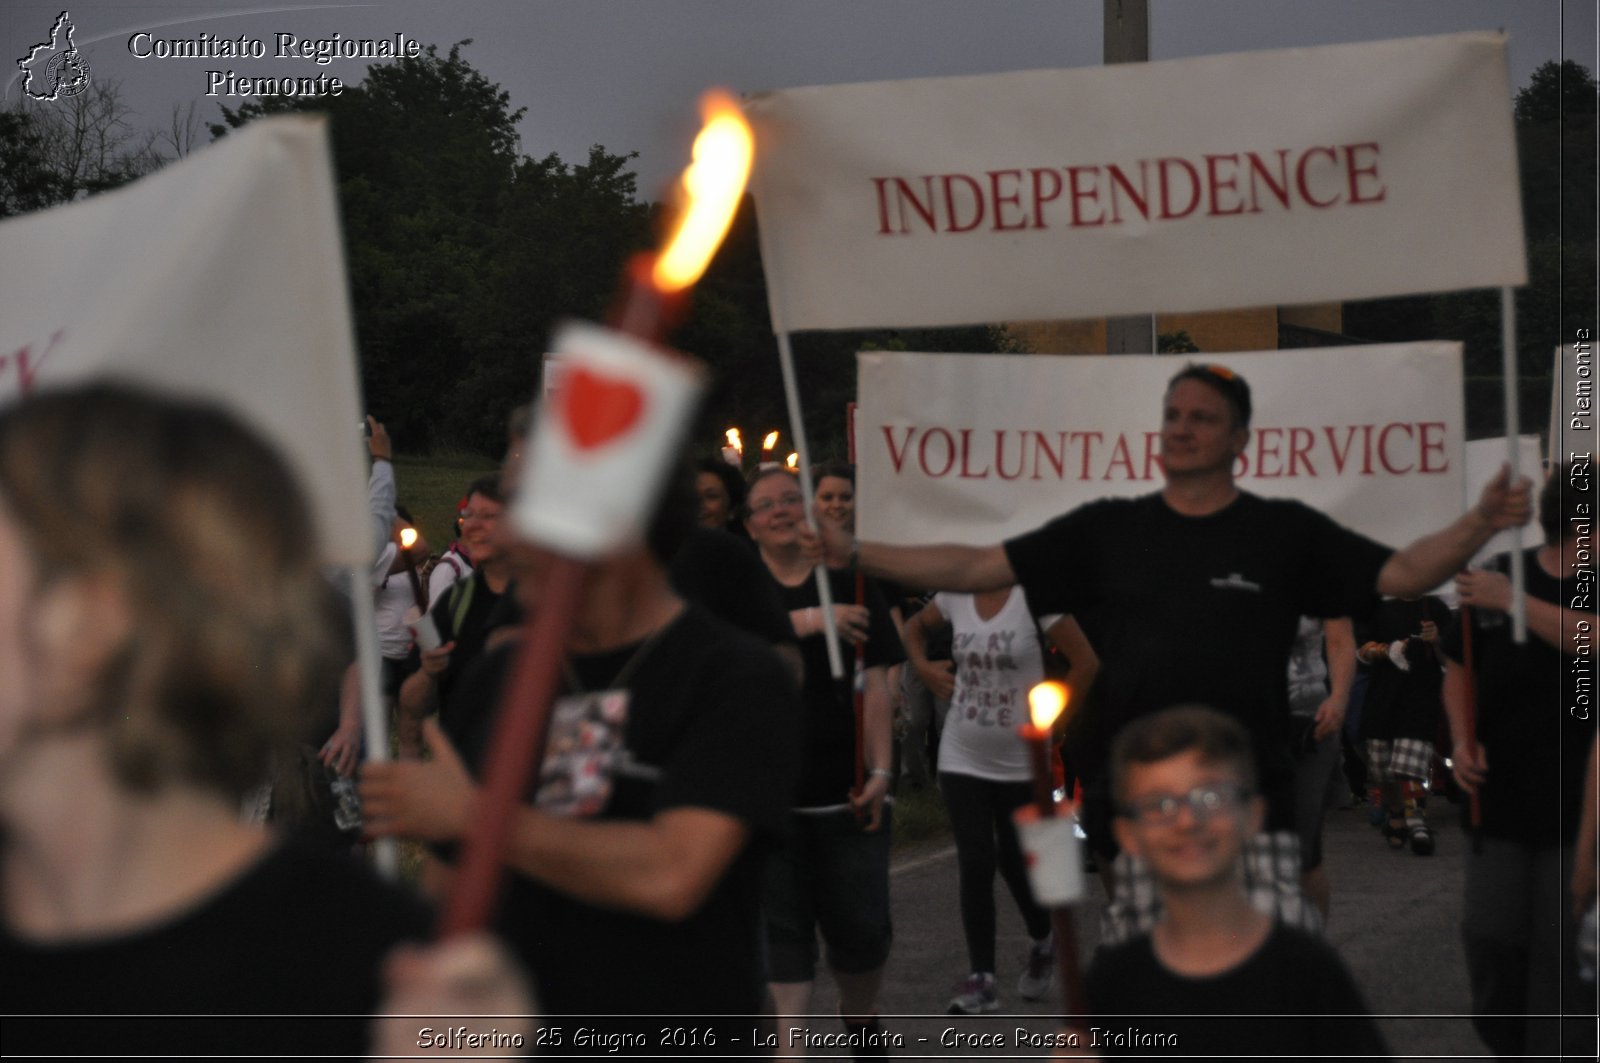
1046,702
712,186
408,538
794,461
734,440
770,441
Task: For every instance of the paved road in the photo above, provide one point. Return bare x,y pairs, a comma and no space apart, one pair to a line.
1395,919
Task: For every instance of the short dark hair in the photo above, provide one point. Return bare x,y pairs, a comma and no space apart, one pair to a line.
1563,502
1225,382
487,486
1216,737
732,481
838,470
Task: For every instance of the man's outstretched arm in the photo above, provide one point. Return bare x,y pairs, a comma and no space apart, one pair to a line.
942,567
1432,559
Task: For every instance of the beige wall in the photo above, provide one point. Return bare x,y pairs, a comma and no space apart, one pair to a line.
1226,330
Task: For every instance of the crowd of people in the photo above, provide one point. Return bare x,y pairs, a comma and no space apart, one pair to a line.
713,816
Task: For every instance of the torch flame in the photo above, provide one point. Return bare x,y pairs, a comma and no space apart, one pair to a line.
770,441
794,461
1046,702
712,185
408,538
734,440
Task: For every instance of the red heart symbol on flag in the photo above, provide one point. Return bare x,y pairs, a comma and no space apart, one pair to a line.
598,409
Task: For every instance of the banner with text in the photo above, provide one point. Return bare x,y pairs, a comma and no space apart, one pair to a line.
973,448
1295,176
220,277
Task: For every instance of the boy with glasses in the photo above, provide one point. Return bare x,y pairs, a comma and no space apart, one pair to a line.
1184,783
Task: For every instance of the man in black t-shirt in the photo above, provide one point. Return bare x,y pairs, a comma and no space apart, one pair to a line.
1525,758
669,767
1194,594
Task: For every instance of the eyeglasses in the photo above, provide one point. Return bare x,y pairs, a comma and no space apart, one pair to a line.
1203,801
766,505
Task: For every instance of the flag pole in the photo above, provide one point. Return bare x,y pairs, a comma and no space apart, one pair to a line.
797,430
1508,372
374,720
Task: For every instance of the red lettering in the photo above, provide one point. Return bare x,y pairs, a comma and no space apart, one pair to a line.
949,453
1167,212
903,195
1263,452
1152,454
1383,447
1001,199
1120,456
1000,455
1300,176
1366,450
1039,198
1217,183
27,367
1057,458
1279,188
1077,195
883,205
966,455
1141,198
976,191
1339,456
897,457
1432,433
1089,439
1301,440
1356,172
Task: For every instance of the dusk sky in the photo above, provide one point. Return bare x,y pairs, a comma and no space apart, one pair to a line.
625,74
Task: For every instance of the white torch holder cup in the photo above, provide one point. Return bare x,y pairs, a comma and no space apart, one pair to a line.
1055,856
422,629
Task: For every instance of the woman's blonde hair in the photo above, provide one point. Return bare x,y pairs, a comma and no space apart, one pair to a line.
231,653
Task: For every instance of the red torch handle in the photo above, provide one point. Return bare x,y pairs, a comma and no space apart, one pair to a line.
1470,702
1073,996
518,746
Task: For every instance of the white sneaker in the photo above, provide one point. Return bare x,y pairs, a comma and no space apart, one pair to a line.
1040,974
974,995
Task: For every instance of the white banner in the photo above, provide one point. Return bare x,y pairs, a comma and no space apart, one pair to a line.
974,448
1295,176
220,277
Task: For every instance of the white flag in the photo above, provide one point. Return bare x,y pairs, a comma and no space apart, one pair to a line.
220,277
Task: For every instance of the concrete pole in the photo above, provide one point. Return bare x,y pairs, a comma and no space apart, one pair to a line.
1127,40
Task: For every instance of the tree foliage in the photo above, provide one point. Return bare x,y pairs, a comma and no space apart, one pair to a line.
462,252
61,150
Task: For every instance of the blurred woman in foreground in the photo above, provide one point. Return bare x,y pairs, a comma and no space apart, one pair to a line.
163,630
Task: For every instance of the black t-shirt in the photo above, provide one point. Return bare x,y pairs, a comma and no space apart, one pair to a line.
467,613
1193,609
710,724
724,574
1537,749
1230,1015
828,765
301,933
1403,703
